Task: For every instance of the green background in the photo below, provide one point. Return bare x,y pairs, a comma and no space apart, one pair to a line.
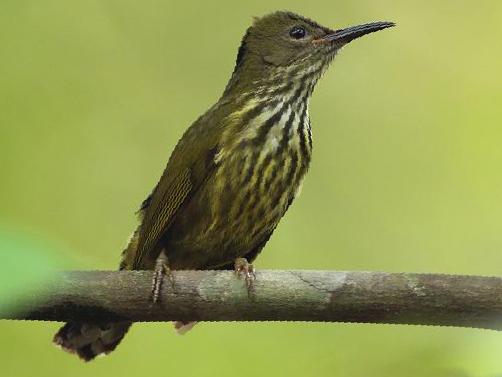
406,173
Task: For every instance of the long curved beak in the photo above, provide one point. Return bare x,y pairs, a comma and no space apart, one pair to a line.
344,36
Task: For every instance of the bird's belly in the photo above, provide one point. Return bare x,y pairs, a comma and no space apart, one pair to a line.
230,217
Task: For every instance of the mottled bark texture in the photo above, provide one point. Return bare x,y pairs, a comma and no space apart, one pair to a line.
326,296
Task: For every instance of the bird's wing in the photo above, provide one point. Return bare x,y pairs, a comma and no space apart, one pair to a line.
190,164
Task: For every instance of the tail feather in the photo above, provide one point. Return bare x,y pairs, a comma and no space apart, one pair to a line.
90,340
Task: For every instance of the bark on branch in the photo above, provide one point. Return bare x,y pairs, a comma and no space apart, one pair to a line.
371,297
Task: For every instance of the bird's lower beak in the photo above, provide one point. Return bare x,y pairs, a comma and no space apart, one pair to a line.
344,36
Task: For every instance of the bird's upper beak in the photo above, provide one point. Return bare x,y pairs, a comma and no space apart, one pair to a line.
344,36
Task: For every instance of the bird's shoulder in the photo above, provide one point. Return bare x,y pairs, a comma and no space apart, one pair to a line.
196,149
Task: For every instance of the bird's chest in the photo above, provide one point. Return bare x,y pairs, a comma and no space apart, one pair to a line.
261,173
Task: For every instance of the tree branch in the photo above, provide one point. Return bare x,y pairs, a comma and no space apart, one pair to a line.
371,297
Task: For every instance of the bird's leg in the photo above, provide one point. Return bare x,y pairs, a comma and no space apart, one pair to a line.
243,268
161,271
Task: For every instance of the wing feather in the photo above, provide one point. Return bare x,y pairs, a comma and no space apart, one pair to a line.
190,165
188,168
163,214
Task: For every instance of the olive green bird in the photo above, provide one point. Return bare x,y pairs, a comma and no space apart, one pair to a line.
236,170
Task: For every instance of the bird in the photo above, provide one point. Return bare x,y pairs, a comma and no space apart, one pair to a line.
236,170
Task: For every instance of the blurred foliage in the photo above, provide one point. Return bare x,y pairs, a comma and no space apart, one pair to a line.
406,173
27,260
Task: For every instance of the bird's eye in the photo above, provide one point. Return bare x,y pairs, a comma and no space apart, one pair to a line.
297,32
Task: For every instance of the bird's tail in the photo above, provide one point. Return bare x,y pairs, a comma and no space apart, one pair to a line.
91,340
88,340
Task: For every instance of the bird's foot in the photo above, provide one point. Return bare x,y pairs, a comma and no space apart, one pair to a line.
245,269
161,272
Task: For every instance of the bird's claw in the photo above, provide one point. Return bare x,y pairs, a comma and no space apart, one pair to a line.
245,269
161,271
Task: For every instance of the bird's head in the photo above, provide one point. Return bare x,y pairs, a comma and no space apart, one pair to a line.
284,43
